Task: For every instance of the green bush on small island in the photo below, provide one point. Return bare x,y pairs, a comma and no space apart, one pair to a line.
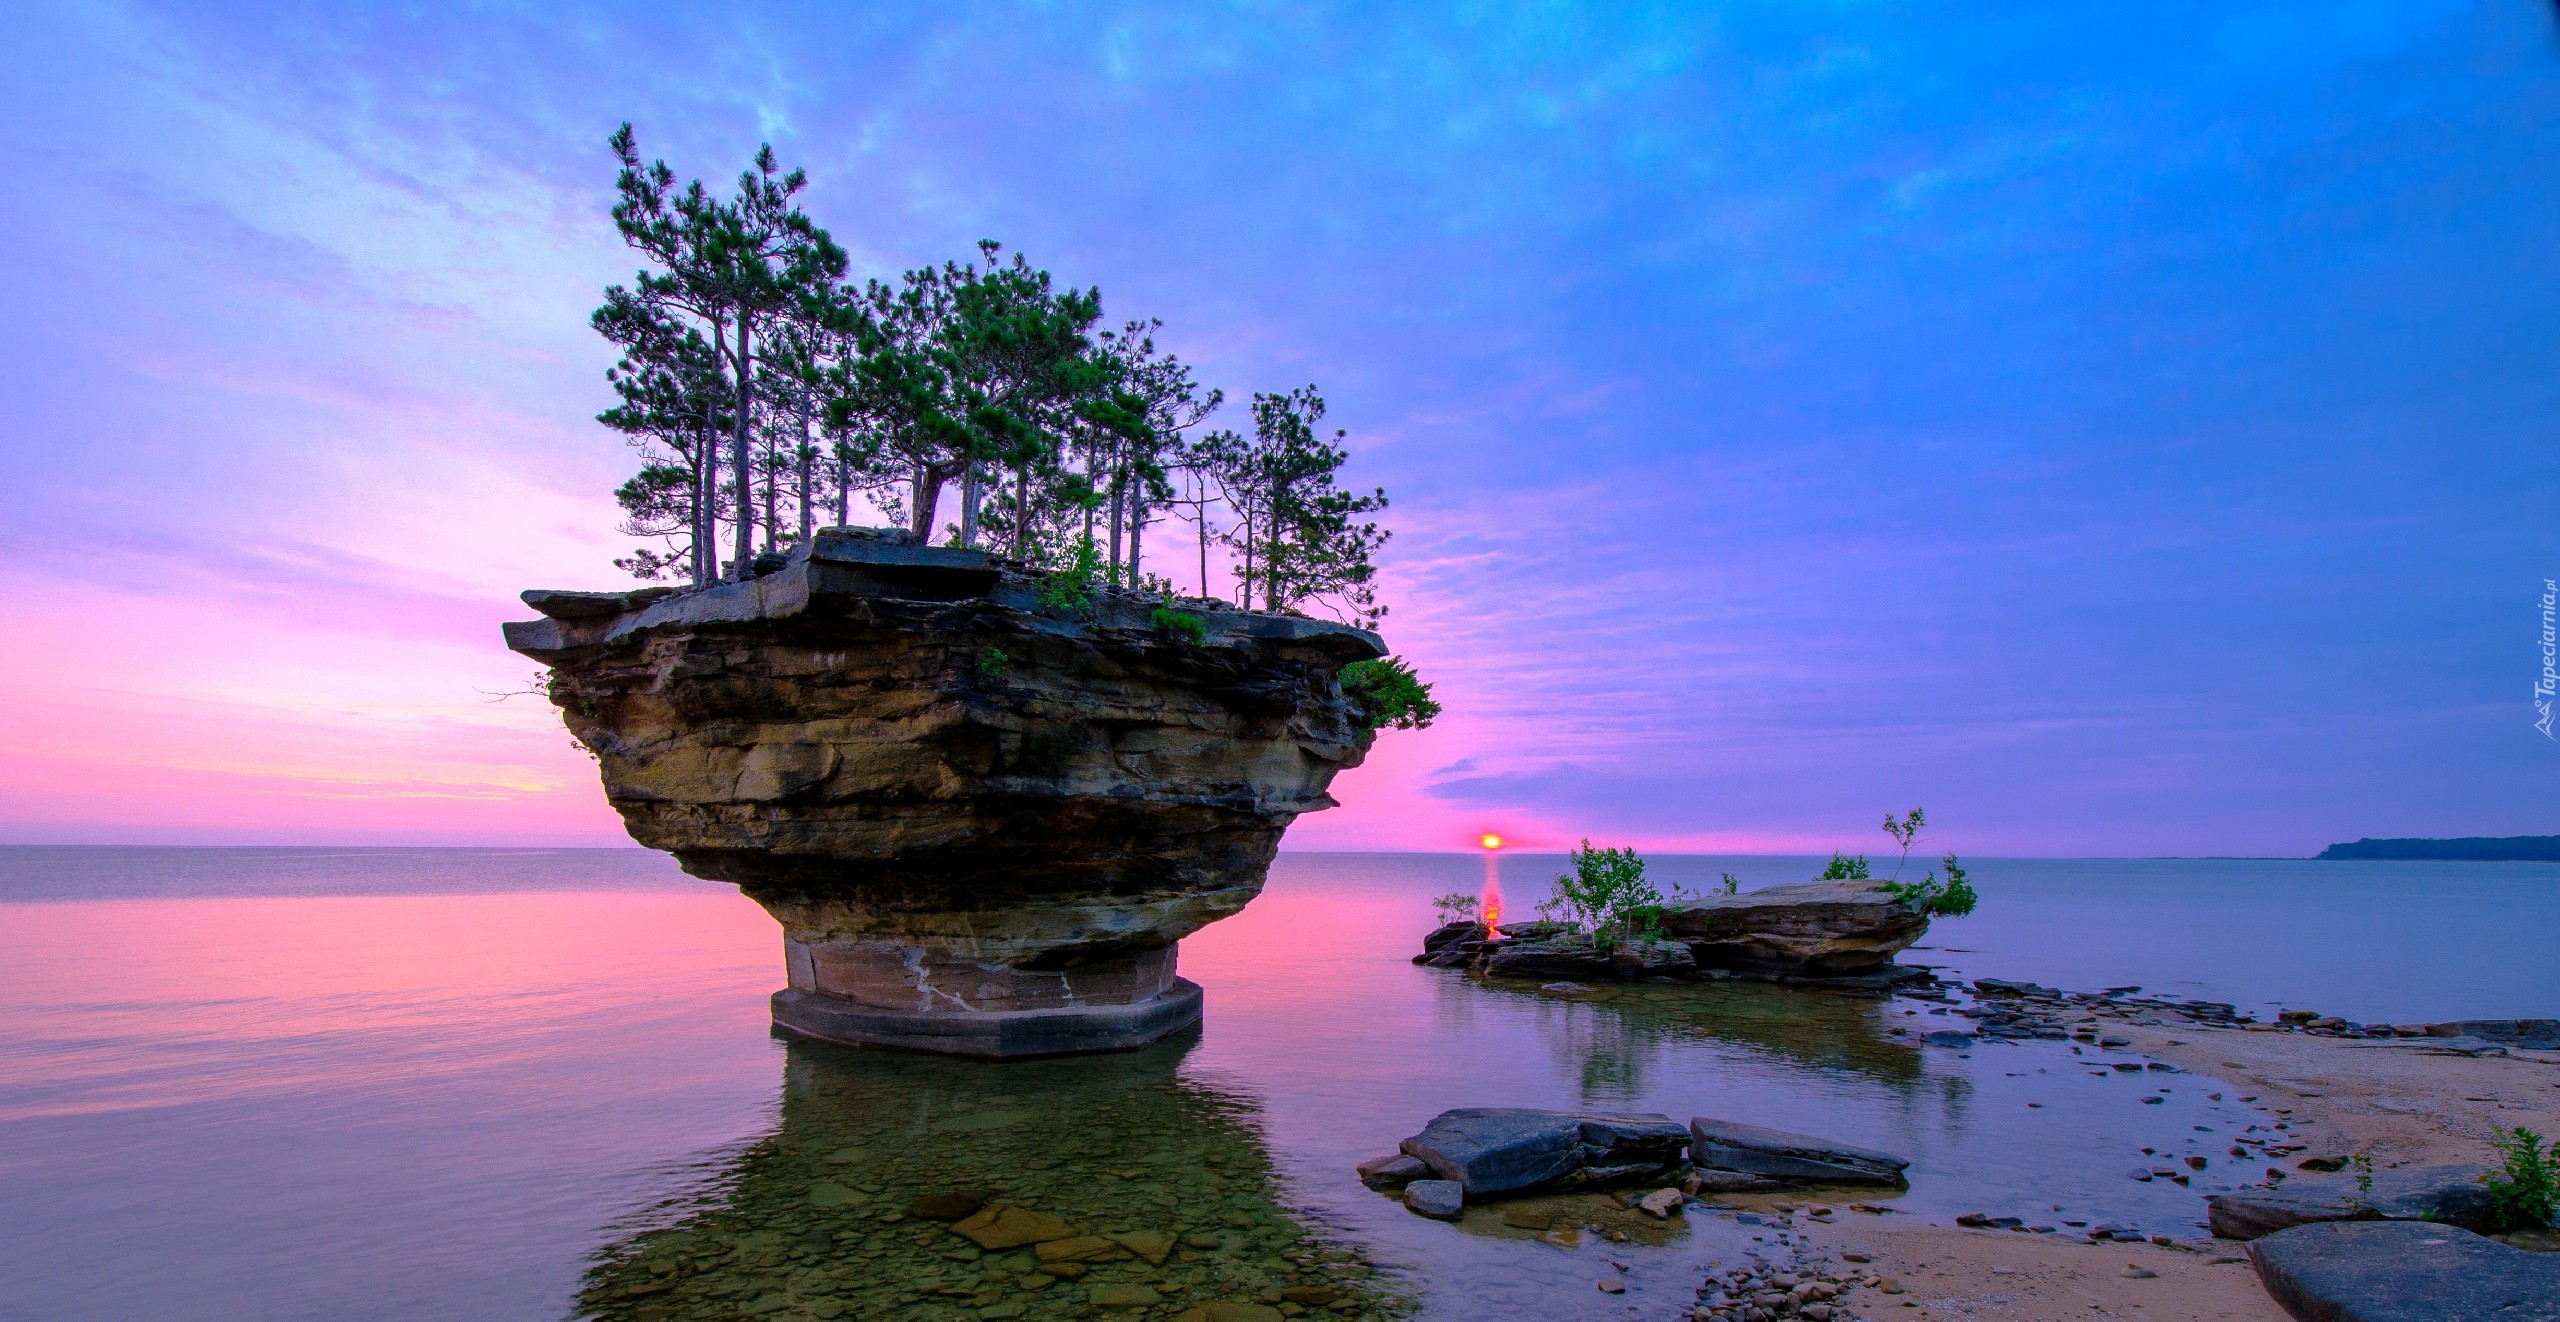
1455,907
1606,895
2524,1192
1953,897
1389,695
1846,867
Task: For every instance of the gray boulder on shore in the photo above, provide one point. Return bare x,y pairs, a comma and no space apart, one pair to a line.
2444,1195
1493,1150
2405,1271
1778,1155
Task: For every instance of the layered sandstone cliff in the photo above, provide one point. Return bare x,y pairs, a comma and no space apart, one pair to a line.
955,798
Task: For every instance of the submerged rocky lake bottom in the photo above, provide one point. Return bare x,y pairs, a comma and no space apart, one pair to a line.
539,1084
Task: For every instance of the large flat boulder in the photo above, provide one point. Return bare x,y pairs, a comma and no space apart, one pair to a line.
2449,1195
1805,929
1775,1154
2405,1271
1497,1150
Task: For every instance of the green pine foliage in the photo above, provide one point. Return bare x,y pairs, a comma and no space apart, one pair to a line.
1388,695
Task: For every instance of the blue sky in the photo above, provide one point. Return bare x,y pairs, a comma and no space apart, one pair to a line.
2123,429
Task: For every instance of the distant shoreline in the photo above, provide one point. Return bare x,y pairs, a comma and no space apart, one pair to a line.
2461,849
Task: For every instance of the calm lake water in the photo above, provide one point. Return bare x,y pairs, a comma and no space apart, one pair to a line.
242,1083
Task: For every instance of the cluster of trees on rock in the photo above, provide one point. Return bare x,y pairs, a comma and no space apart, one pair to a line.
767,391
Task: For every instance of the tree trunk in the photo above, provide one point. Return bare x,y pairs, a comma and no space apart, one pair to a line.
844,492
808,459
1137,525
1271,561
928,494
745,363
706,506
1118,480
969,495
1022,510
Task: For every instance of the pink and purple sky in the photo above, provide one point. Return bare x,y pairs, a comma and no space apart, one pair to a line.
2124,431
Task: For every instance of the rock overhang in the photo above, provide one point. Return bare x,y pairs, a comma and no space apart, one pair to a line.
946,791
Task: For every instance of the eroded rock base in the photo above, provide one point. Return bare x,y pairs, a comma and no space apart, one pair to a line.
991,1034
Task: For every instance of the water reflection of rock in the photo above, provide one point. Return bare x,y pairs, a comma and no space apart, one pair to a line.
1612,1037
809,1222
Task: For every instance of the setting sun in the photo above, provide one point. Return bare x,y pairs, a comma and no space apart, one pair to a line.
1491,842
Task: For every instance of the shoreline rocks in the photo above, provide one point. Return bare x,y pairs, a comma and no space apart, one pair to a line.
1773,1154
2444,1195
1509,1151
2405,1271
1488,1152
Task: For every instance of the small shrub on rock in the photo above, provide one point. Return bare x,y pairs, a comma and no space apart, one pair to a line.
1846,867
1952,898
2524,1193
1606,894
1184,625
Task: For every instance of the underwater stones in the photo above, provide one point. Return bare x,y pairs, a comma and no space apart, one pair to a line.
1122,1294
1439,1199
945,1206
1808,929
1152,1245
1229,1310
1778,1155
2444,1195
2405,1271
1077,1248
998,1227
1508,1150
967,812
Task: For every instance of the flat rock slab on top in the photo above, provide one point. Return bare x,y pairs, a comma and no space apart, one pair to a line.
2450,1195
1778,1155
1505,1150
2405,1271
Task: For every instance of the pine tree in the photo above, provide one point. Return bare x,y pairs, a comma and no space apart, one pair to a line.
732,267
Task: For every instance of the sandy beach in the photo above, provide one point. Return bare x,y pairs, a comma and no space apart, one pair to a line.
2393,1100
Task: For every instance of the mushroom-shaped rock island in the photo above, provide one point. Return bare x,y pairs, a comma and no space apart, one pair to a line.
983,810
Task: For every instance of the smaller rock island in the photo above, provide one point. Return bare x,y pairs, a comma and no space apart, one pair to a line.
984,821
